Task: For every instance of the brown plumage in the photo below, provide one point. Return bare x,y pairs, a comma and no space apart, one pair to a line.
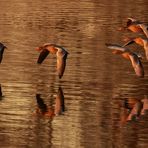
136,26
144,28
140,41
60,52
127,54
133,25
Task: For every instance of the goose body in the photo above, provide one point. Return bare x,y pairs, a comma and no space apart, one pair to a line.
127,54
61,55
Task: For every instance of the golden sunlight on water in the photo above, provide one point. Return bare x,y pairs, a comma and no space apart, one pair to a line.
98,103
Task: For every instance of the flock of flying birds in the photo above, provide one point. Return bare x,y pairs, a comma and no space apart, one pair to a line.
61,53
137,27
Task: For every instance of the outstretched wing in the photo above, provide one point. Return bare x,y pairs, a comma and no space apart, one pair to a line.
61,63
146,53
2,47
144,28
137,65
116,47
1,54
44,53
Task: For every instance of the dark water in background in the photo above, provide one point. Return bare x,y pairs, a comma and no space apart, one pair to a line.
95,84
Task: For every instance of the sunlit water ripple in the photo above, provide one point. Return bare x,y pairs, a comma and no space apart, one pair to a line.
95,83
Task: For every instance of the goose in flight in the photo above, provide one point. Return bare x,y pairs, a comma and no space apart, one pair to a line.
136,26
133,25
127,54
60,52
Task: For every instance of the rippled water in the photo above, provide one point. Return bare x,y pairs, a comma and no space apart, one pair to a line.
96,84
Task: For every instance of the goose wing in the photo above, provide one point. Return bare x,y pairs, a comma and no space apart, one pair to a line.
146,53
137,65
44,53
144,28
116,47
1,54
2,47
61,63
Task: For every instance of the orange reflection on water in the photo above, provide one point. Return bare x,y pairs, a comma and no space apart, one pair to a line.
45,110
134,109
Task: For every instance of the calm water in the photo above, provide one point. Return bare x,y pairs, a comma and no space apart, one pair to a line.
94,89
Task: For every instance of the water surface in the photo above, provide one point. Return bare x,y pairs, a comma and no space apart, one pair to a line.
95,85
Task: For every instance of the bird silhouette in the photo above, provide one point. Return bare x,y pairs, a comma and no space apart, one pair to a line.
60,52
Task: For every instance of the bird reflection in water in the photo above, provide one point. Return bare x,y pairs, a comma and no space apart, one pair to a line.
60,52
134,109
49,111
